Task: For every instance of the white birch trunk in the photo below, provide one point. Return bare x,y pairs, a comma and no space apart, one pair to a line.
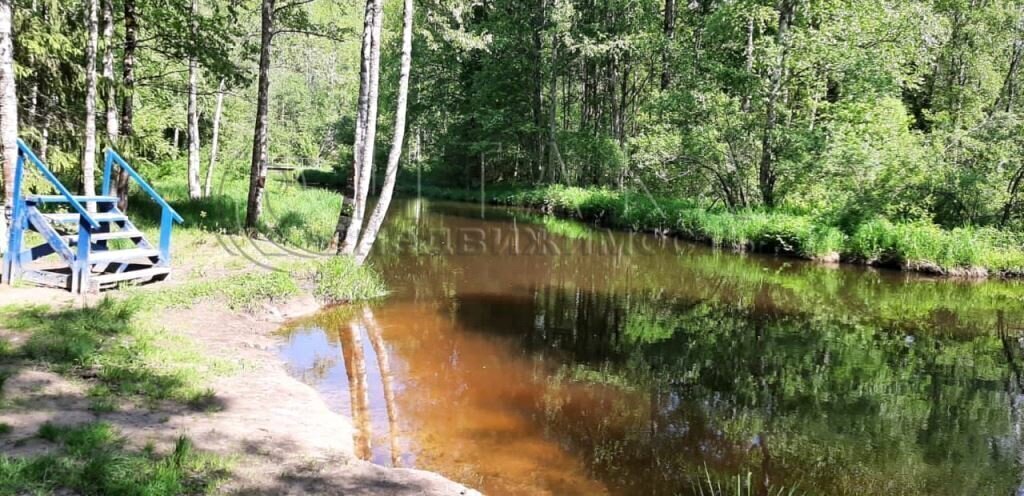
89,152
109,92
194,188
8,114
215,141
357,145
369,136
395,155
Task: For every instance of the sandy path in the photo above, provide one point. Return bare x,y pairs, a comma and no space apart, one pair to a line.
282,434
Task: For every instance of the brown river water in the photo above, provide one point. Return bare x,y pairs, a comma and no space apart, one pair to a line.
520,354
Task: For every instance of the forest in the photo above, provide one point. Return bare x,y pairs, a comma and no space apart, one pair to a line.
868,122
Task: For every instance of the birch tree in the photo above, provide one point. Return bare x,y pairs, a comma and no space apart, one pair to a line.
194,187
8,114
215,139
381,209
363,166
109,90
89,152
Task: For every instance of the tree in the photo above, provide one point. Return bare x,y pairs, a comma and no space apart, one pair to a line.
194,187
215,140
109,90
89,150
767,176
8,114
366,122
274,20
380,210
258,170
131,43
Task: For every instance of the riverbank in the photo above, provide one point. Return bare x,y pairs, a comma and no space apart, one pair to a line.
176,387
961,252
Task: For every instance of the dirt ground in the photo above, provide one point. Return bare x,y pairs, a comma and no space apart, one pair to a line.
282,436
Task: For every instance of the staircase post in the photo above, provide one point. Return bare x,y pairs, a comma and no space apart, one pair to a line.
166,224
81,271
16,228
108,166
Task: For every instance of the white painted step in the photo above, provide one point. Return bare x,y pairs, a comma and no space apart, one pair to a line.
121,255
62,199
127,234
73,218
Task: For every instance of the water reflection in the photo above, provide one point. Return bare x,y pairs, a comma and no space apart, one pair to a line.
650,371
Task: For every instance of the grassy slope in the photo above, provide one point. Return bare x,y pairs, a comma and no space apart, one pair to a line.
921,247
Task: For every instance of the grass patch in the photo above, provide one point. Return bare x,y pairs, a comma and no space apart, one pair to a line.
93,459
240,292
107,343
5,428
339,279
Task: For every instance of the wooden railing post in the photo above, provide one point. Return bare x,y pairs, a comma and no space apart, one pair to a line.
16,228
81,271
166,224
108,167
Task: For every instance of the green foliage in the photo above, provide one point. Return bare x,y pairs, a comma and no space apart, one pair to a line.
93,460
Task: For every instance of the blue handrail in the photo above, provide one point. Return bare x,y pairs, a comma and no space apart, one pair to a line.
111,157
26,152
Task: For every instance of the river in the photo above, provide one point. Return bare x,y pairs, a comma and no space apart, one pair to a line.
522,354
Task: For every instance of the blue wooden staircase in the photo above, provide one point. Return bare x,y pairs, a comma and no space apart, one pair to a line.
81,238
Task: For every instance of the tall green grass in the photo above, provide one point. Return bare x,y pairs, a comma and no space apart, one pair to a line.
918,246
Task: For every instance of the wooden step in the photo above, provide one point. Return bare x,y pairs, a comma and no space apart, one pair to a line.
126,234
73,218
129,275
121,255
63,199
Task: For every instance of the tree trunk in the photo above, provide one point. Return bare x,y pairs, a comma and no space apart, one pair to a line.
538,93
348,246
555,156
1013,189
44,137
259,164
109,93
131,43
669,27
1008,93
215,141
766,171
749,64
194,187
344,221
89,152
8,114
381,210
